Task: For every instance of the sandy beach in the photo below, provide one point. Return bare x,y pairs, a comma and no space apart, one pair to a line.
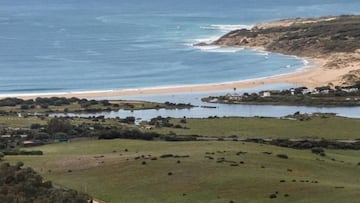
318,73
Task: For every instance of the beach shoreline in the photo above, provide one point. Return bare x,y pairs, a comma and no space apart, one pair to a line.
314,73
312,66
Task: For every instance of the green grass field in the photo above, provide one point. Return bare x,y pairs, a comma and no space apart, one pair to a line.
106,170
317,127
331,127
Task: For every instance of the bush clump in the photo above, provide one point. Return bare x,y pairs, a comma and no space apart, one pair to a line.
24,185
282,156
16,152
272,196
318,150
167,156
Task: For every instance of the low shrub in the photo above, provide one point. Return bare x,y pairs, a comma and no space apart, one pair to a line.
167,156
282,156
15,152
317,150
272,196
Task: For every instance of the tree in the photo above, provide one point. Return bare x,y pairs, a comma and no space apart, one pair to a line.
56,125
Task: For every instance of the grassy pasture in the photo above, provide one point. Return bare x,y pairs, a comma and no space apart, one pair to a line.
110,170
331,127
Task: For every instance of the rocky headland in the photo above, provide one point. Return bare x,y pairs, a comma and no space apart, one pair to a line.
332,41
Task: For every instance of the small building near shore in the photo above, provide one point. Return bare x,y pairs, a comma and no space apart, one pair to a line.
314,92
233,96
350,90
265,94
31,143
28,143
306,91
23,136
5,136
292,91
325,91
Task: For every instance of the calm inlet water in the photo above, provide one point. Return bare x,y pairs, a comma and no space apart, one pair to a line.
219,110
83,45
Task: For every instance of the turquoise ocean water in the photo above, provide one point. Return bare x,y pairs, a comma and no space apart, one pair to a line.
86,45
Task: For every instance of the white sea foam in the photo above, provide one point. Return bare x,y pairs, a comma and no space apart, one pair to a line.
306,62
213,48
262,53
223,28
207,48
226,28
219,49
207,40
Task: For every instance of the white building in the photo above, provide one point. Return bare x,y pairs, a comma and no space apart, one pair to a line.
292,90
265,94
306,91
324,91
349,90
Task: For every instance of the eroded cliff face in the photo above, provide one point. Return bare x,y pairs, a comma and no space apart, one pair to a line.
335,39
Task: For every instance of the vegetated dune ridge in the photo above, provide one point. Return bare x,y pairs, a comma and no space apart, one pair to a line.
332,41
